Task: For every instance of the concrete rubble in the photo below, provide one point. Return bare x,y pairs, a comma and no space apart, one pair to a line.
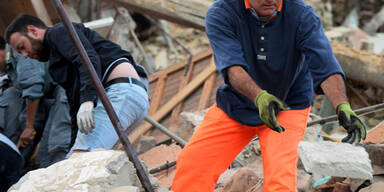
97,171
245,179
335,159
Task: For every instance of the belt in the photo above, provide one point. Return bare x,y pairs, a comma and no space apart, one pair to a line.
126,80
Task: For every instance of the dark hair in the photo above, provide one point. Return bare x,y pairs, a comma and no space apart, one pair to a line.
2,43
20,23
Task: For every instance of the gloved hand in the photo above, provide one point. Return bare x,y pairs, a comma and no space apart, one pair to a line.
267,105
85,117
351,122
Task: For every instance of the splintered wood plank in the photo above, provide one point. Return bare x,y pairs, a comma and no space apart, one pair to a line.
179,66
177,109
180,96
158,94
207,92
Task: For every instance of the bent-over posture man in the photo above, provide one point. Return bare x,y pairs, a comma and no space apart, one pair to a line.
272,55
125,82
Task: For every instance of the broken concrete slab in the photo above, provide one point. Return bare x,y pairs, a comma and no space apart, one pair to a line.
335,159
100,170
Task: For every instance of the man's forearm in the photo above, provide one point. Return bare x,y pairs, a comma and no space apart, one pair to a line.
242,82
31,113
334,89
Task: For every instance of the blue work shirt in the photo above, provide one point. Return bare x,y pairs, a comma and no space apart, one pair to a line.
29,76
289,56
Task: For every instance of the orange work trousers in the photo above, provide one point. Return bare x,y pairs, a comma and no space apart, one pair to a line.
219,139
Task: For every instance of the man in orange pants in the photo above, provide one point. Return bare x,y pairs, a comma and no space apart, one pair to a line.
272,55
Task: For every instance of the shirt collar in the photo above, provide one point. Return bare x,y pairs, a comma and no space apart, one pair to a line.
248,5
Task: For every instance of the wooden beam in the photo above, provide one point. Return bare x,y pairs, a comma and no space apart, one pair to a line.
179,66
158,94
180,96
189,13
207,91
359,65
178,108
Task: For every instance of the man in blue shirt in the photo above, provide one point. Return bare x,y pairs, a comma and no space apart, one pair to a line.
272,55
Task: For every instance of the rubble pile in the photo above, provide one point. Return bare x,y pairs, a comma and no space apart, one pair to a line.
97,171
322,166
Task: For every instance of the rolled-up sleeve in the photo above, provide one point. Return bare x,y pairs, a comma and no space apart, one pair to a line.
30,75
317,50
224,41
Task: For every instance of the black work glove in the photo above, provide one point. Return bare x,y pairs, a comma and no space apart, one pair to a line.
351,122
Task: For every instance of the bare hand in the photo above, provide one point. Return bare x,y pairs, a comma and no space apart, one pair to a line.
26,137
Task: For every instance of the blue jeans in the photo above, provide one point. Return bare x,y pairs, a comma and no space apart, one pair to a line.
131,104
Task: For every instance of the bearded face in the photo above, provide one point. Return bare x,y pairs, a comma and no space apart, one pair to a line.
37,49
27,45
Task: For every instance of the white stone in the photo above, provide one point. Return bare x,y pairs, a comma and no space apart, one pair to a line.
97,171
335,159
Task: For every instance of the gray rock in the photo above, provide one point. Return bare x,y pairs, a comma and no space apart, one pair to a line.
335,159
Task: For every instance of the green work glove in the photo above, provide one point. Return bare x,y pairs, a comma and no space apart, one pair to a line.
267,103
351,122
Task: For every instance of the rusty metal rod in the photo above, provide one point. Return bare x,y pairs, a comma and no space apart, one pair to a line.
102,95
162,167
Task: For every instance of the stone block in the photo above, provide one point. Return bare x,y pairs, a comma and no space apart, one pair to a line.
335,159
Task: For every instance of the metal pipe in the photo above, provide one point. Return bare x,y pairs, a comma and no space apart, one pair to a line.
166,131
362,111
102,95
162,167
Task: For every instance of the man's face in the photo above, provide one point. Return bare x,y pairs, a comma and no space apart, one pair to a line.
27,45
265,8
2,60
